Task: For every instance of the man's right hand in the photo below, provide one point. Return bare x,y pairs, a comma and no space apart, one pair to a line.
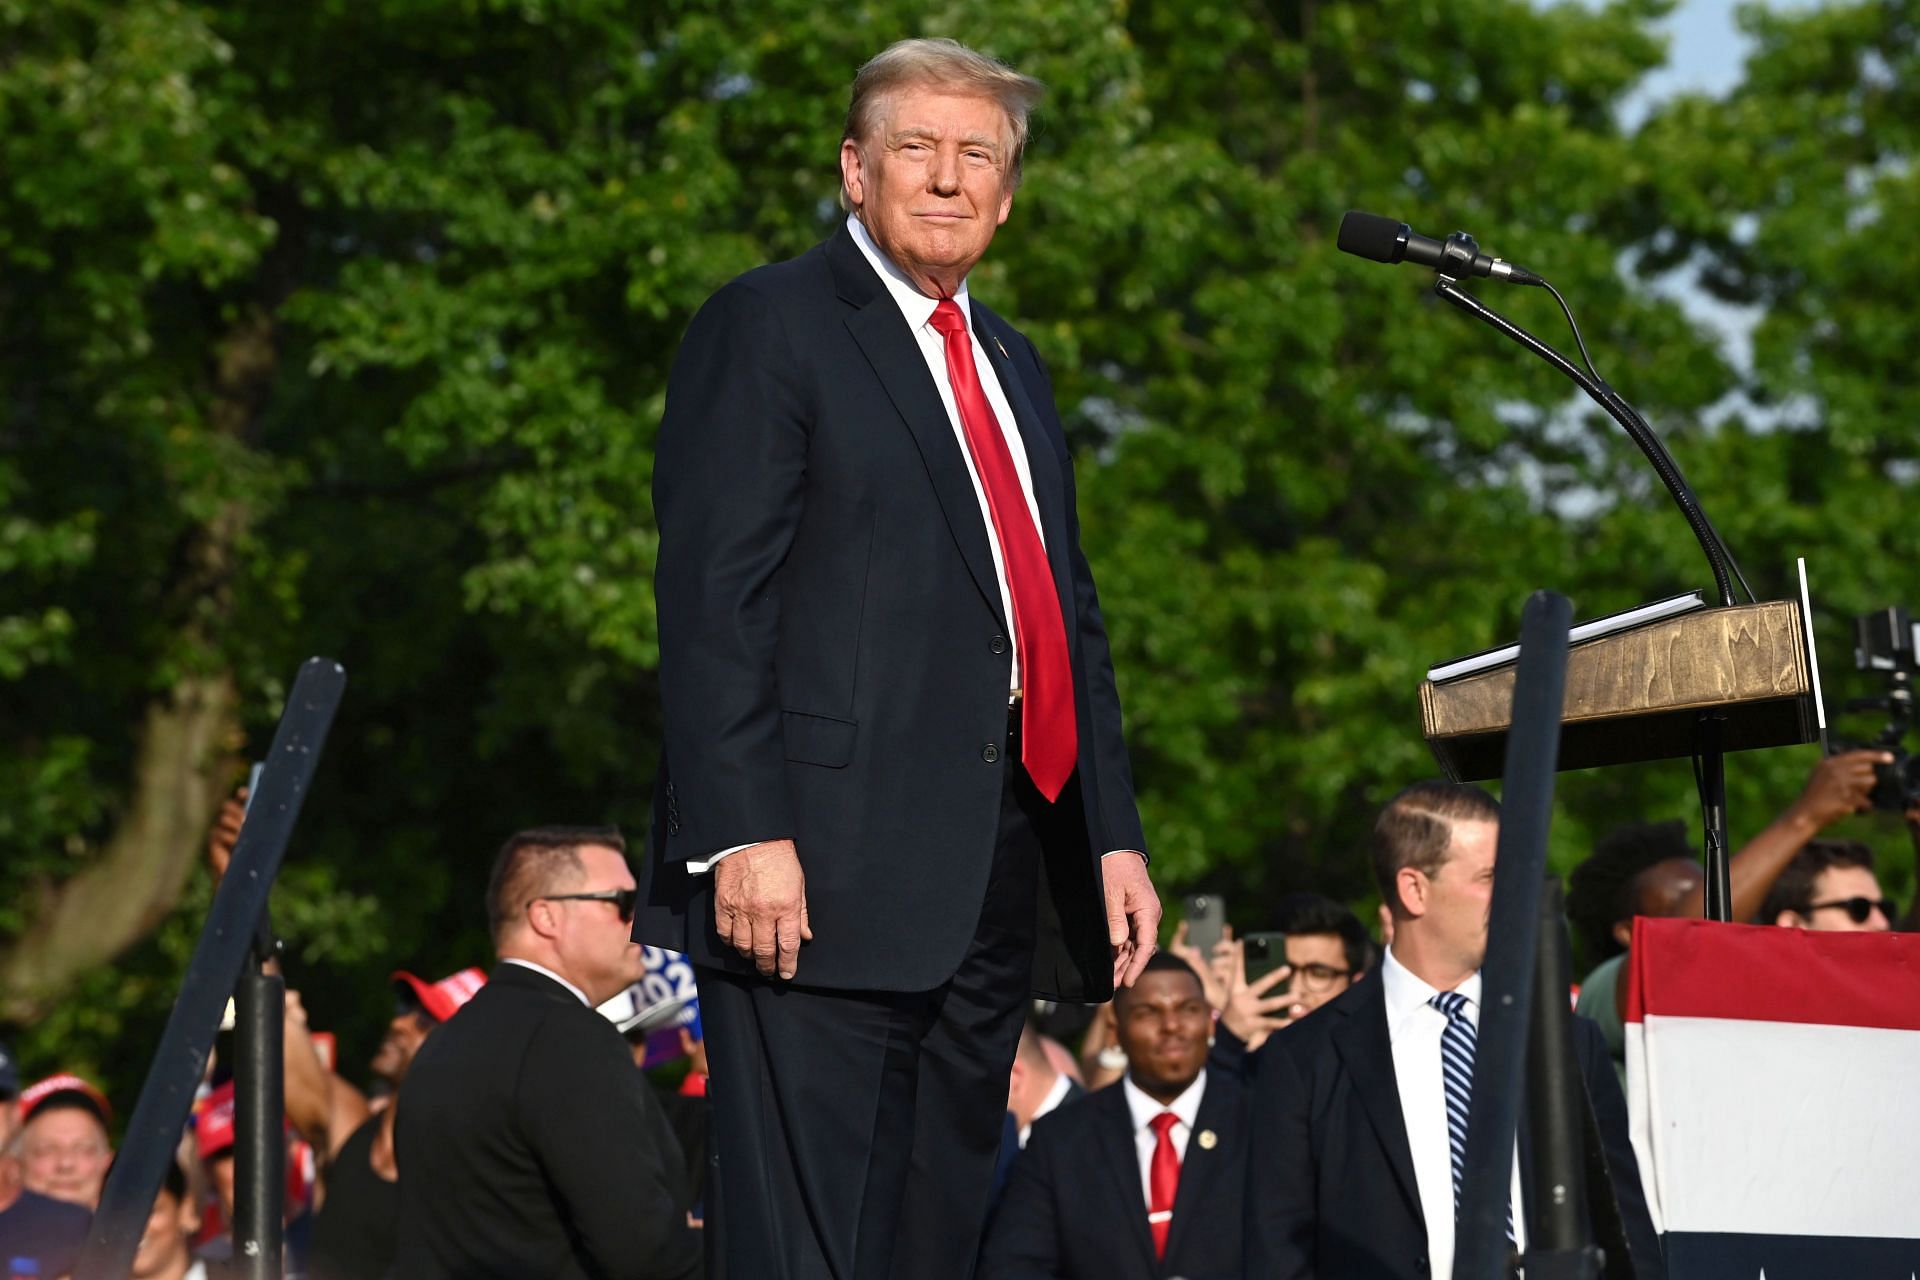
760,905
226,834
1839,786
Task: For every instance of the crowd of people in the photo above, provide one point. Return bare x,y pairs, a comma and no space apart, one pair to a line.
518,1122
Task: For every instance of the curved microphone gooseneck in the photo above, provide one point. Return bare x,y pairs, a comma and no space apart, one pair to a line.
1371,236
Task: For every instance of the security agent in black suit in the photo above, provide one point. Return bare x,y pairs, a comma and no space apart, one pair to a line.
1078,1204
528,1146
842,766
1349,1174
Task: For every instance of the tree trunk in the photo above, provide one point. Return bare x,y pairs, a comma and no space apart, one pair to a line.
181,770
123,893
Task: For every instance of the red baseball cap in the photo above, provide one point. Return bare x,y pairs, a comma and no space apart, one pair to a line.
440,1000
65,1089
213,1125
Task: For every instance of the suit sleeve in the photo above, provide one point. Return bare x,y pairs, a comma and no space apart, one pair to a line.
1118,813
727,493
1281,1197
1610,1113
1023,1239
1229,1054
608,1152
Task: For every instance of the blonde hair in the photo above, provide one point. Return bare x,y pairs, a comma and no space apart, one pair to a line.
943,64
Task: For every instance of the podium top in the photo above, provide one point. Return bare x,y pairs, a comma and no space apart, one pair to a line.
1640,694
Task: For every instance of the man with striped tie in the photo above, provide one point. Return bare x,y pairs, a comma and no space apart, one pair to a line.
1359,1113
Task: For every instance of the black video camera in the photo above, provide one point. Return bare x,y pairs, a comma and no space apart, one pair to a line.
1886,642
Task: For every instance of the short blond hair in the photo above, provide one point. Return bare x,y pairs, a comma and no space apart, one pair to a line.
938,62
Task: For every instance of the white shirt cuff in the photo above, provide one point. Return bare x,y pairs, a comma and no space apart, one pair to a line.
1144,859
705,864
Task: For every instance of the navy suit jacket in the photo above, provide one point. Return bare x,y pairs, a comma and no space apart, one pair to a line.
1074,1208
1330,1184
834,661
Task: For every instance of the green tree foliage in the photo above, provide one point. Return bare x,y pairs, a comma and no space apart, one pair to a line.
343,327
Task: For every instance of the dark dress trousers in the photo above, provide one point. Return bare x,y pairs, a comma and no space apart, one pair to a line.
529,1147
1074,1208
1330,1188
834,669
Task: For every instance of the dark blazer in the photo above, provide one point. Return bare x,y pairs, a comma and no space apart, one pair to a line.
529,1147
833,659
1074,1208
1010,1138
1330,1184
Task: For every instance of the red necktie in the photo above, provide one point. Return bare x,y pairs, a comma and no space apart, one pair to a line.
1049,740
1163,1176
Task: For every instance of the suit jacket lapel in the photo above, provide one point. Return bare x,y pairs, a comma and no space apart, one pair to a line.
1122,1160
1367,1053
890,348
1200,1168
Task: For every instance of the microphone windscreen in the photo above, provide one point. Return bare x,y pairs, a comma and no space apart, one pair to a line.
1368,235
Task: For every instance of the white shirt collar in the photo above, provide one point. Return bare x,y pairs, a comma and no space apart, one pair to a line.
1407,993
1062,1085
545,972
916,306
1055,1096
1144,1109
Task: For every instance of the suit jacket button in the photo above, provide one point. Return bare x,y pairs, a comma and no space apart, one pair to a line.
673,827
998,644
990,753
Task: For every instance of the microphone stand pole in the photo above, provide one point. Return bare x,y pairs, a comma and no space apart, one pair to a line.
1711,774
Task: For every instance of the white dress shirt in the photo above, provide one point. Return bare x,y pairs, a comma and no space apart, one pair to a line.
1144,1109
1414,1027
1048,1105
545,972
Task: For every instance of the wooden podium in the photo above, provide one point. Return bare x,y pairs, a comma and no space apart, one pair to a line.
1640,694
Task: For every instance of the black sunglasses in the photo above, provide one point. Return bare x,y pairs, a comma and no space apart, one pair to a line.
1859,909
622,900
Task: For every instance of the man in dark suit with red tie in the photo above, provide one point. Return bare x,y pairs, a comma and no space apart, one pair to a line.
1141,1180
894,797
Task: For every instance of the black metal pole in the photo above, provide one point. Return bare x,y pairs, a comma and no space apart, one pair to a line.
1713,819
259,1172
1558,1243
213,974
1507,977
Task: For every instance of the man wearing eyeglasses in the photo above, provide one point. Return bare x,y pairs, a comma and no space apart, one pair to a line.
1830,886
527,1143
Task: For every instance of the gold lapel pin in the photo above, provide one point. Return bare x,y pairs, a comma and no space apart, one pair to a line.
1209,1139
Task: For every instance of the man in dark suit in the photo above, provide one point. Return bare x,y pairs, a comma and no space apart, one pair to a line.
528,1145
1359,1110
892,732
1035,1088
1141,1180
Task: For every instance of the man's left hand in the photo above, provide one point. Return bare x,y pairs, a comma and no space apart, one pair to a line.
1133,914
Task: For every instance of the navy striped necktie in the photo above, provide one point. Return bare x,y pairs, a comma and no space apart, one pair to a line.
1457,1044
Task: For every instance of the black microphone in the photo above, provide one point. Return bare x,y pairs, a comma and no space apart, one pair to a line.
1368,235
